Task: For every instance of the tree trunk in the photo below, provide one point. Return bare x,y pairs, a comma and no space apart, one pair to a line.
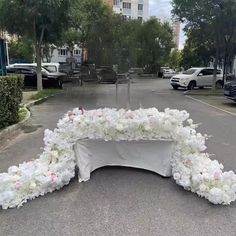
215,68
39,66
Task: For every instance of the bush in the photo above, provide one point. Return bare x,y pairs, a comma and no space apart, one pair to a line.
10,99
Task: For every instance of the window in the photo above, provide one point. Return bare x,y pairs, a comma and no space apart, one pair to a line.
126,5
140,18
62,52
116,2
125,17
76,52
140,7
207,72
189,72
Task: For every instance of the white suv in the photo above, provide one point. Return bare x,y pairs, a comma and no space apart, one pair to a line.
196,77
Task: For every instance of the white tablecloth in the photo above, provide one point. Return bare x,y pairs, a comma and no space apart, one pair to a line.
153,155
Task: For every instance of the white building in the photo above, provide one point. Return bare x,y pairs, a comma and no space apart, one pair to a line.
132,9
59,55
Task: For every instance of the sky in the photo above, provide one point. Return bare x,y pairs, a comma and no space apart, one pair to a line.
162,9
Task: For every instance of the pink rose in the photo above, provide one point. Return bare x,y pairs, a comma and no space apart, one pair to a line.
217,175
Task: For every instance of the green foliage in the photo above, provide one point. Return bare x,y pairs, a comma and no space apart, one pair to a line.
70,37
198,50
215,21
210,24
45,93
175,59
22,114
10,99
111,39
156,42
41,21
21,49
126,43
38,20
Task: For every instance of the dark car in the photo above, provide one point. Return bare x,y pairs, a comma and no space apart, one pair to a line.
29,74
230,90
106,74
49,79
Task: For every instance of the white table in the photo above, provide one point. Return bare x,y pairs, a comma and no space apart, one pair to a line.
153,155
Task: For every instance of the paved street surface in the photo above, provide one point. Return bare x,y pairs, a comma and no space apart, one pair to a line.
121,201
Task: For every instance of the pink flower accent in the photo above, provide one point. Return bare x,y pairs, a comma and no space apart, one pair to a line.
71,115
188,163
82,110
71,118
217,175
53,177
18,185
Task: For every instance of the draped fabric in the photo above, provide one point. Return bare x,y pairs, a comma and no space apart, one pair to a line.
153,155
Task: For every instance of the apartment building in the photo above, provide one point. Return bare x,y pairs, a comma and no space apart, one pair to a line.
131,9
176,30
62,53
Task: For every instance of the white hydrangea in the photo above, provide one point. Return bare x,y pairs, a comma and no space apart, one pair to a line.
55,167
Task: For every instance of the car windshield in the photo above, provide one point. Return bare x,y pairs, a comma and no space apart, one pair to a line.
51,68
46,69
189,71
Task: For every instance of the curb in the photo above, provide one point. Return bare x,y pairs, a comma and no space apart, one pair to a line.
9,131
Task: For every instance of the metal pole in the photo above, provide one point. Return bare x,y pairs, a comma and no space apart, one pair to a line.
117,93
224,72
128,93
8,61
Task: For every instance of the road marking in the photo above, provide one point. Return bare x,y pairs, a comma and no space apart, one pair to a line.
207,104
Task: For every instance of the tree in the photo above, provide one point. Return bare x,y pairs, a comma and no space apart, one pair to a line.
21,50
217,17
88,17
41,21
70,37
175,59
198,49
156,42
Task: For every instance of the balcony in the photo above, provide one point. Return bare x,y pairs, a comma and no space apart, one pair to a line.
126,11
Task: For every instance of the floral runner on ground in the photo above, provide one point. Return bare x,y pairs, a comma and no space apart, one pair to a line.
191,166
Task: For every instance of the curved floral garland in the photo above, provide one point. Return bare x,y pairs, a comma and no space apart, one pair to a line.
55,167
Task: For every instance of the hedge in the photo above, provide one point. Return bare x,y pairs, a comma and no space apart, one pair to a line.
10,99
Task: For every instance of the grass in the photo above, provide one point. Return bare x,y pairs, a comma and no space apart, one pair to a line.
45,93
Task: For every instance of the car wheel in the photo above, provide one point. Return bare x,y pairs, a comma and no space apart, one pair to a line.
219,84
175,87
191,85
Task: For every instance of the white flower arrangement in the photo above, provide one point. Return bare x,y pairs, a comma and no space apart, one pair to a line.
191,167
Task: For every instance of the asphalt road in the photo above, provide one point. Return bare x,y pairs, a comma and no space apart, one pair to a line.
121,201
